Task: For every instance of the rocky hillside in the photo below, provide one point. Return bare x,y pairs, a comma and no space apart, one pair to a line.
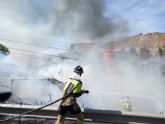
142,46
149,43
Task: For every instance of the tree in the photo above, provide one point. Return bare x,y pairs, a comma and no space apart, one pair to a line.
4,49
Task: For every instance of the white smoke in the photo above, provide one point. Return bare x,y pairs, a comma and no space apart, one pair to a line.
41,22
74,20
110,82
45,23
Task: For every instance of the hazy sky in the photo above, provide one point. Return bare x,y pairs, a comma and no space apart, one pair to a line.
143,15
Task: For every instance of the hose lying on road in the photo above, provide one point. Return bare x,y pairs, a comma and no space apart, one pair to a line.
34,110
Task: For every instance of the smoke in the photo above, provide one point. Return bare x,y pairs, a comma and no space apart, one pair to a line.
54,20
85,20
74,20
124,75
50,21
46,23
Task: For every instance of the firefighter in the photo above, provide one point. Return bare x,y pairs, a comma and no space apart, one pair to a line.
73,85
127,104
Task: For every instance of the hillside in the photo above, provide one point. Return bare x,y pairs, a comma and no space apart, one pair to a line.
153,43
148,43
141,46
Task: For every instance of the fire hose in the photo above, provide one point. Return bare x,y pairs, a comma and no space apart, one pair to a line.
34,110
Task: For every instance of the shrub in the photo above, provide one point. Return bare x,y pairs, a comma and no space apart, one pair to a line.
4,49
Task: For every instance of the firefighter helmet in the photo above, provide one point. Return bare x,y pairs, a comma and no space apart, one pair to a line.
78,69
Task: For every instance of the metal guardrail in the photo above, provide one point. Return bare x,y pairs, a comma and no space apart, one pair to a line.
91,115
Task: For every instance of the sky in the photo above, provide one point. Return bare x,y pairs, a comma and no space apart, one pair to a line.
143,16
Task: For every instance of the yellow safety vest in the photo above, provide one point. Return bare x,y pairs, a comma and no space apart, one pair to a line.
73,86
127,106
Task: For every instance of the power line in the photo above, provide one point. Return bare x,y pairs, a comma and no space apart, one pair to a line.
36,44
34,52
